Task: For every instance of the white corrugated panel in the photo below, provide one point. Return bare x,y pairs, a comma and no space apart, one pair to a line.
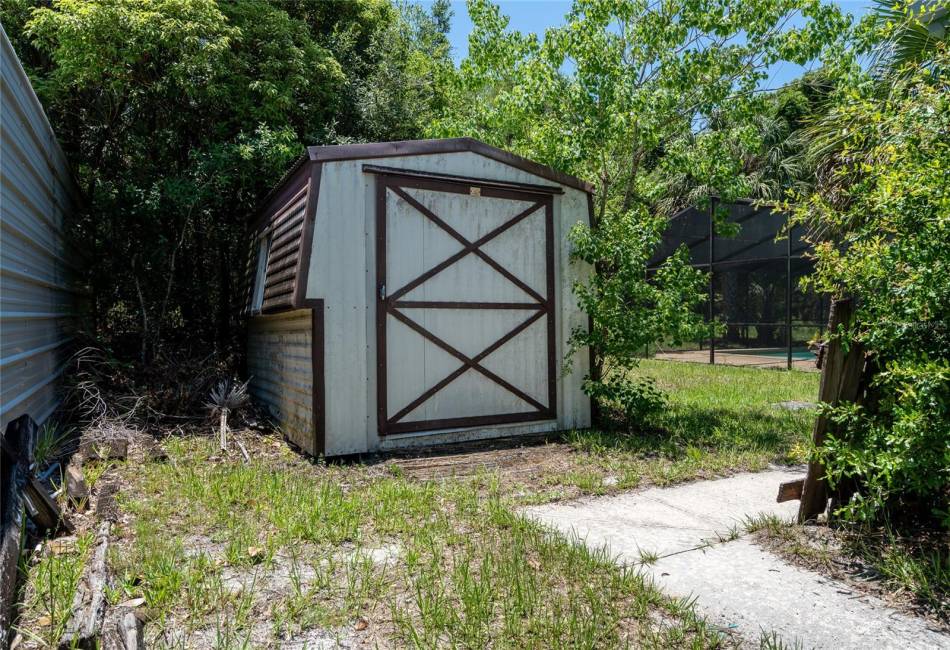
280,366
37,297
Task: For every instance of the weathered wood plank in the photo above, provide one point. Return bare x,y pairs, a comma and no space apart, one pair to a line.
106,509
76,488
43,510
790,491
840,382
123,630
104,448
89,601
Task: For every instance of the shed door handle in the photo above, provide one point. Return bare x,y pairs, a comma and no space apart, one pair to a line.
382,292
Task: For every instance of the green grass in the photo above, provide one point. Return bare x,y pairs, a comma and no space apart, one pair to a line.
230,554
51,582
467,570
914,565
721,419
915,569
49,443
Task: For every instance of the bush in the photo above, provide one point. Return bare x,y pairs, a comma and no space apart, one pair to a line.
634,401
899,448
881,218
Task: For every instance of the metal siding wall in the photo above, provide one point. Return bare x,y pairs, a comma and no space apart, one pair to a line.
342,273
280,366
574,405
37,298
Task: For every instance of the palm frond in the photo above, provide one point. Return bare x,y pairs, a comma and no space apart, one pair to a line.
228,394
914,33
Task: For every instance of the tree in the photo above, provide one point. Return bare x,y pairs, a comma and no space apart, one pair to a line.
880,222
179,115
126,82
405,90
392,55
631,93
773,162
908,33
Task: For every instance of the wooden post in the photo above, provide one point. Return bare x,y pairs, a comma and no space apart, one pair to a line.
840,382
223,430
712,286
788,296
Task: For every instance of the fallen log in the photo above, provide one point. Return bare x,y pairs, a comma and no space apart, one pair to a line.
89,601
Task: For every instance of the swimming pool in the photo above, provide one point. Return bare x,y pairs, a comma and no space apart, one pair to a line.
797,355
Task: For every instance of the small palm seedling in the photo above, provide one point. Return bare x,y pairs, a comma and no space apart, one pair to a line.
49,444
226,397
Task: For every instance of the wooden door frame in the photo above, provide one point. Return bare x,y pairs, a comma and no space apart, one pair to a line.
387,303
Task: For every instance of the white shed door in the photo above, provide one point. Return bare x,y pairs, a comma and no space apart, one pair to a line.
465,304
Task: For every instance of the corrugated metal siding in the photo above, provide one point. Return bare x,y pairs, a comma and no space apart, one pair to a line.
37,298
280,366
283,224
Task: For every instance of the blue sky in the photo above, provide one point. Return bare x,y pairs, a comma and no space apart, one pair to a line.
537,15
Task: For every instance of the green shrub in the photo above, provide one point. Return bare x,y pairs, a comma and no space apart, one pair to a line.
900,448
882,216
635,400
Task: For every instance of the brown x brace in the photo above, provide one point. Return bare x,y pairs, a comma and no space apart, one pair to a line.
392,303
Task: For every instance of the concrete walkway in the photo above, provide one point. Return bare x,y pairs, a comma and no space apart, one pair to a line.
737,585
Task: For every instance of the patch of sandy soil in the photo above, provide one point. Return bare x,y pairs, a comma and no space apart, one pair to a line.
523,464
819,549
265,584
260,637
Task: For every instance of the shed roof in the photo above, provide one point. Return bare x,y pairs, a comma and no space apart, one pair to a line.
288,209
446,145
328,153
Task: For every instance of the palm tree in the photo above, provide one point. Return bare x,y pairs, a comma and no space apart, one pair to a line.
910,34
913,31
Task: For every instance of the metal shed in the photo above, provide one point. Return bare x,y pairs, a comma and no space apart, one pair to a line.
413,293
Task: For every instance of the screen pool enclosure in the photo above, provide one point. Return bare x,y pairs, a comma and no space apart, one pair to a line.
754,290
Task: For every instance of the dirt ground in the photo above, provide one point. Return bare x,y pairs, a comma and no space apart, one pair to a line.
527,469
820,549
515,459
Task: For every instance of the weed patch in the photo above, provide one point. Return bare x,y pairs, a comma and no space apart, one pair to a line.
217,546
